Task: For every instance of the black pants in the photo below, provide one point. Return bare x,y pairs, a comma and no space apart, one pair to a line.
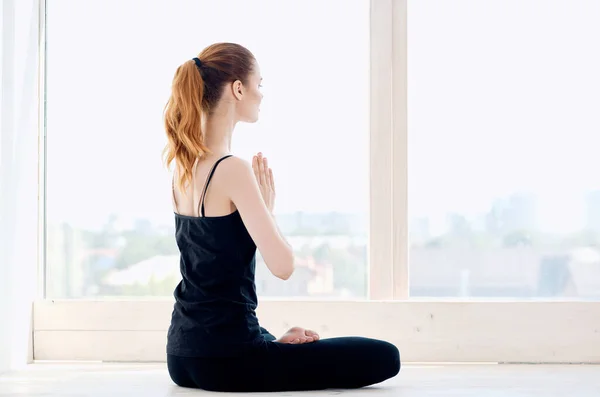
339,363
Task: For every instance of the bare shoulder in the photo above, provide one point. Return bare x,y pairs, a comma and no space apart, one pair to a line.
235,168
239,181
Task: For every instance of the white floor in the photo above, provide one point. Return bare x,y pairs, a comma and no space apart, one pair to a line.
152,380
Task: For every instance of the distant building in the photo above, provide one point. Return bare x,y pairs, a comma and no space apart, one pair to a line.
419,231
514,213
592,204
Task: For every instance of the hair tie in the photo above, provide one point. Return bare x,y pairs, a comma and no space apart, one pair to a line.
198,63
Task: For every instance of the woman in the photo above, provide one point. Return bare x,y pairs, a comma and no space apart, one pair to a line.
223,213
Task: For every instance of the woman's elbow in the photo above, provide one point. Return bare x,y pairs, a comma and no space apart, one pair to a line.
284,275
286,267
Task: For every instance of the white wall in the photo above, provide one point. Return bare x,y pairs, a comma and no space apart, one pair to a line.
18,178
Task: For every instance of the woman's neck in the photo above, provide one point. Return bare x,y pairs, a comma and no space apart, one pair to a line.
218,130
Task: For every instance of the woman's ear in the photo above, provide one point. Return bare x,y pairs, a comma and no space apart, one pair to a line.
238,90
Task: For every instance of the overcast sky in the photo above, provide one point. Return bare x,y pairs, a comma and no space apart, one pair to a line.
503,97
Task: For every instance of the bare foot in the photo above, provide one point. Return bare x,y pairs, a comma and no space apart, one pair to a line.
298,335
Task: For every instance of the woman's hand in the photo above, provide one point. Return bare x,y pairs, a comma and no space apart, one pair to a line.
298,336
264,177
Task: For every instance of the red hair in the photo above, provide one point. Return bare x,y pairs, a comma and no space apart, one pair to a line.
195,91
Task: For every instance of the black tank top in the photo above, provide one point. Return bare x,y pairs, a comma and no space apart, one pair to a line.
215,302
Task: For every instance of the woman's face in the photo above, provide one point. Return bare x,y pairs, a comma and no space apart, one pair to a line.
249,97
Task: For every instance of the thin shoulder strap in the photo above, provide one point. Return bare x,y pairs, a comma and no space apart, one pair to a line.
210,175
173,192
175,173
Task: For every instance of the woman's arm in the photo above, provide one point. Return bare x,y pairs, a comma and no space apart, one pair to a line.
245,192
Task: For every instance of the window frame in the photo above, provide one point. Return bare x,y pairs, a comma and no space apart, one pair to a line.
121,329
388,242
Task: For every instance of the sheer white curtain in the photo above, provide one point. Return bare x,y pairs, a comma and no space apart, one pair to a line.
18,177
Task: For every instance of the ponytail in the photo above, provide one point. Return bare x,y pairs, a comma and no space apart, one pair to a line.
197,87
183,122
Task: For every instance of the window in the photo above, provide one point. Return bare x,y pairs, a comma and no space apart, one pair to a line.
373,65
109,215
504,196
